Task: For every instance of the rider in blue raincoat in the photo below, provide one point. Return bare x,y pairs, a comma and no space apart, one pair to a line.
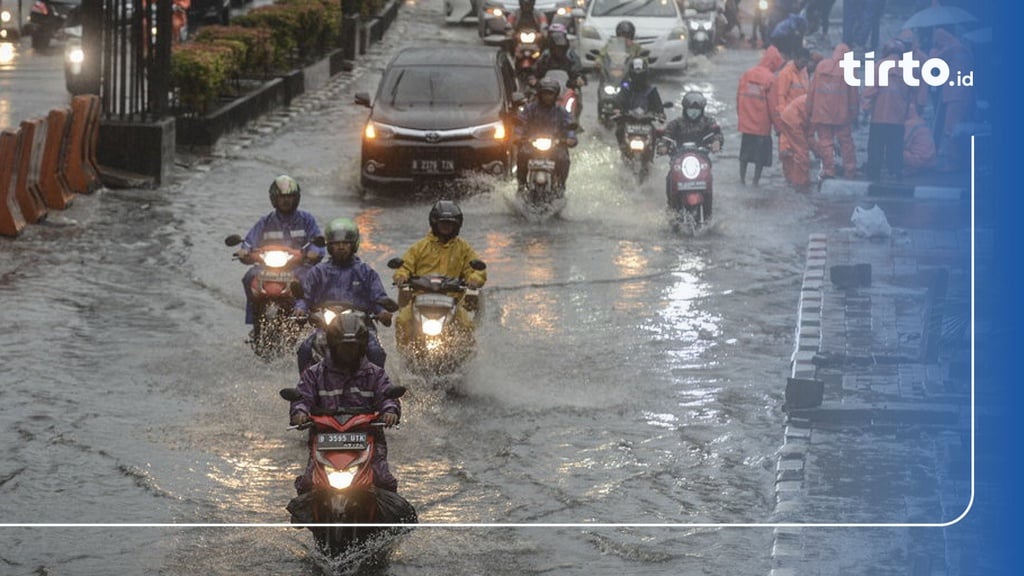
345,379
544,116
343,278
286,225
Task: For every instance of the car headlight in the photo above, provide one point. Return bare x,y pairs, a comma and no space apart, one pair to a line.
677,33
542,144
377,131
276,258
432,326
5,16
691,167
494,12
762,5
493,131
341,479
590,33
564,11
611,90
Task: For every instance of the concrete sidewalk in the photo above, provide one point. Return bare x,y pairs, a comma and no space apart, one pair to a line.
878,407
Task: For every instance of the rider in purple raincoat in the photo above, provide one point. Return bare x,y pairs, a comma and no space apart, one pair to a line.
346,379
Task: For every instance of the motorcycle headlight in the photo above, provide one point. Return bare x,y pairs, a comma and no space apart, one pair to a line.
329,316
691,167
542,144
527,37
493,131
276,258
495,12
432,326
762,5
694,25
611,90
341,479
76,55
636,145
564,11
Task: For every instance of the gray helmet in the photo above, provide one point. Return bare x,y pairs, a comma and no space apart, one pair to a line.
625,29
694,101
549,85
343,230
284,185
445,211
347,330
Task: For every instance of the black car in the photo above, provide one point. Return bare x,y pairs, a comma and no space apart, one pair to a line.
439,112
48,18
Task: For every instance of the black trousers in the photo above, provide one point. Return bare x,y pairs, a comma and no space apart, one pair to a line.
885,148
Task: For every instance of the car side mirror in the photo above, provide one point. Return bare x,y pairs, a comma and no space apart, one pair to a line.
363,99
395,263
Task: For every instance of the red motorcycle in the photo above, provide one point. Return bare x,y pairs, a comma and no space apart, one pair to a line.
689,185
345,508
274,290
526,49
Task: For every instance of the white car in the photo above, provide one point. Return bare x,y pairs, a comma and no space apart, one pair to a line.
493,16
660,29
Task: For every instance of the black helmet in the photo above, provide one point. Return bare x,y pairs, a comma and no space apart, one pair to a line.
284,185
445,211
549,85
639,69
343,230
694,101
347,338
558,36
625,29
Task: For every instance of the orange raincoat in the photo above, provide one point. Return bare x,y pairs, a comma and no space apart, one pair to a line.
753,94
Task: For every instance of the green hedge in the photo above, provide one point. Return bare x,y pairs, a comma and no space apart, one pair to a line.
200,72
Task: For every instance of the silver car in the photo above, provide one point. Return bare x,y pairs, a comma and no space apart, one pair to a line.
660,29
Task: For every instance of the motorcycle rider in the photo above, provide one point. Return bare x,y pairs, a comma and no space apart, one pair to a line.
345,378
559,56
637,92
286,225
693,125
543,116
344,277
527,18
627,32
443,252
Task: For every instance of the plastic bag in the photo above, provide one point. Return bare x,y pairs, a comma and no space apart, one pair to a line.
871,222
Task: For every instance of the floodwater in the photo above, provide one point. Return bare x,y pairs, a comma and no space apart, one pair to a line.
626,374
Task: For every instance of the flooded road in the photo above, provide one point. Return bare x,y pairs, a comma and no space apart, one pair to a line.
626,374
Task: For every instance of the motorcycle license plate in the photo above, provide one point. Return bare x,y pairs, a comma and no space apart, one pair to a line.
694,185
341,441
270,276
433,166
541,164
636,130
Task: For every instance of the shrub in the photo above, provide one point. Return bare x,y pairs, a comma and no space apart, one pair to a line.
199,73
258,56
284,26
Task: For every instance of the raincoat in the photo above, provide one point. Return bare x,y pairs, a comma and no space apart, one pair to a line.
789,84
832,108
682,129
324,387
294,230
888,104
752,95
431,256
567,60
918,145
794,144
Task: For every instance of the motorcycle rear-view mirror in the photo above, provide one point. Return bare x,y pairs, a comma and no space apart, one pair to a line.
290,394
668,105
363,99
318,241
395,263
389,304
394,392
477,264
233,240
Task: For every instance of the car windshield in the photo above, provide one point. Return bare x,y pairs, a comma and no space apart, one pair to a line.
656,8
441,86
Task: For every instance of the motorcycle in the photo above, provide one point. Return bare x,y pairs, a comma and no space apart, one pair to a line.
48,20
543,191
689,185
274,327
640,134
436,344
568,98
526,49
611,68
702,19
344,499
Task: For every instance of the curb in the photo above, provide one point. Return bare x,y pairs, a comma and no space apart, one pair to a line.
861,188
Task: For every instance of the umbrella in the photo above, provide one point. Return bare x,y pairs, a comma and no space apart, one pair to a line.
937,15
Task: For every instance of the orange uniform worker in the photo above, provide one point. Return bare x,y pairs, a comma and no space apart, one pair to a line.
889,106
918,146
832,106
753,107
794,144
791,83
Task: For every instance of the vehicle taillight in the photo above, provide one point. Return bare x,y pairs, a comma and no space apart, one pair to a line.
694,199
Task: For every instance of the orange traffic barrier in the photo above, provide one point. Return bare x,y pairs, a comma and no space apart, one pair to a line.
93,134
32,206
52,183
32,175
80,174
11,220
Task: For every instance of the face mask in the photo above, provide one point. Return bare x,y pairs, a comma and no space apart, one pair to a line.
692,113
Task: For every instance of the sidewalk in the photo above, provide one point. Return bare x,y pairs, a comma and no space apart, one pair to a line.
878,406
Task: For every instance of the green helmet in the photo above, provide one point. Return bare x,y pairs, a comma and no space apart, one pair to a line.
343,230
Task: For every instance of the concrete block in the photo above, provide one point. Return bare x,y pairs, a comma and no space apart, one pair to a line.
803,393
